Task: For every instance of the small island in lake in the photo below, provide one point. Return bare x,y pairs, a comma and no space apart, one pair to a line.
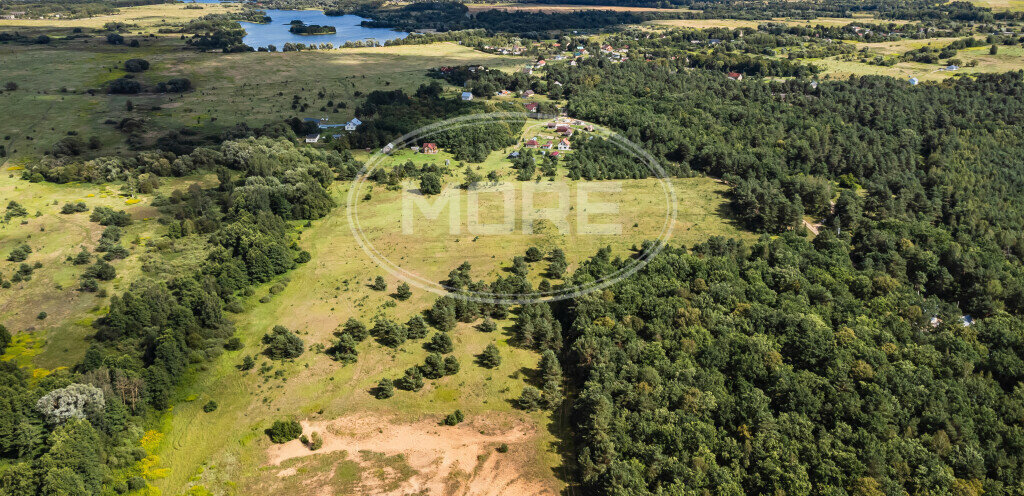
299,27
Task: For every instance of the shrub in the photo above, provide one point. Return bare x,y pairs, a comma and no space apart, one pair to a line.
487,325
314,441
107,216
247,363
403,292
74,207
379,284
533,254
530,399
210,406
416,327
384,390
353,327
282,344
19,253
233,344
41,316
124,86
454,418
284,430
441,343
136,65
411,381
491,357
430,183
502,448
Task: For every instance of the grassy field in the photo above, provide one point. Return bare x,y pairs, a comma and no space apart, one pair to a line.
549,8
254,88
997,5
1008,58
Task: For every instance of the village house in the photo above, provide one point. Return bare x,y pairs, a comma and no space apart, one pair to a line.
531,143
528,93
312,138
549,145
531,107
466,96
430,148
541,63
352,124
564,144
735,76
555,154
913,81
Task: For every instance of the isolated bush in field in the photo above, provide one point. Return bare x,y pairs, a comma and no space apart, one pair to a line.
313,442
41,316
282,344
136,65
440,342
530,399
343,349
416,328
430,183
533,254
210,406
124,86
100,270
403,292
247,363
177,85
19,253
454,418
411,381
502,448
379,284
487,325
491,357
284,430
442,314
384,390
233,344
451,365
107,216
433,367
73,401
388,333
353,327
74,207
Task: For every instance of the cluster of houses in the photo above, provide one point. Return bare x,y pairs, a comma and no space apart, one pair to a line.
322,123
562,144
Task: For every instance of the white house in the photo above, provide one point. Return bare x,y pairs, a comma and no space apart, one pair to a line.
913,81
564,144
352,124
466,96
312,138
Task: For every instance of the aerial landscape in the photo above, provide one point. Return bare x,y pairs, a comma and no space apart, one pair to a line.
577,247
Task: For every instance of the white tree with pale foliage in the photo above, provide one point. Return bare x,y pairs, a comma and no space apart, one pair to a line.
74,401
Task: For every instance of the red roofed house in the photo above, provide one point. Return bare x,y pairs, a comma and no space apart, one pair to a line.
429,148
549,145
736,76
561,129
531,107
554,154
564,144
531,143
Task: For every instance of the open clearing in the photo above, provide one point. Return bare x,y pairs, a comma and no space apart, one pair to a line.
419,458
214,449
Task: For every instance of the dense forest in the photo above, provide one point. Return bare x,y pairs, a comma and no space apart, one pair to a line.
784,367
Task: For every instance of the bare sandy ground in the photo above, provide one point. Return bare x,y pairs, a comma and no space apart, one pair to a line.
459,460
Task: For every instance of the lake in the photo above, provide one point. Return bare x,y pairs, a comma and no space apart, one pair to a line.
348,29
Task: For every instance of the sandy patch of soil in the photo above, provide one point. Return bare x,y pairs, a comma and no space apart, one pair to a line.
459,460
